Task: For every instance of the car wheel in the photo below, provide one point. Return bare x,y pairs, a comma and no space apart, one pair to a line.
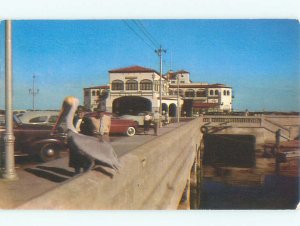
130,131
49,152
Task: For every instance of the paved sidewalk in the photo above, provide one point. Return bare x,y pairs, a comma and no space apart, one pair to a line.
40,178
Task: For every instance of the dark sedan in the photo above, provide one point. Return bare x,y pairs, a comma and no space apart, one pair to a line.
31,140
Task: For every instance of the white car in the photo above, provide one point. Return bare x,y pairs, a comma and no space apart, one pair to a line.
39,117
139,118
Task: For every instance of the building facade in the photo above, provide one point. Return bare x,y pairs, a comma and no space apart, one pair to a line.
199,97
133,90
136,89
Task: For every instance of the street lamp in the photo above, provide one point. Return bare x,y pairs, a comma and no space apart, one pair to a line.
33,92
9,138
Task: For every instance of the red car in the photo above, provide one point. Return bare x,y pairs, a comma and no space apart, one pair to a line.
118,125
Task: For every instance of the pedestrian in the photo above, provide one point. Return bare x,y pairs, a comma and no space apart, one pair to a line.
147,121
79,114
77,160
156,119
167,119
102,125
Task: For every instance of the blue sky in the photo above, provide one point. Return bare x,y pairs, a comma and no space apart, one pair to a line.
258,58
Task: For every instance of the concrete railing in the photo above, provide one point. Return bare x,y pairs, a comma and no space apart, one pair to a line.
261,126
153,176
251,121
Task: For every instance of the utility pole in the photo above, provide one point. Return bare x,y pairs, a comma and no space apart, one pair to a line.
33,92
178,107
9,138
159,52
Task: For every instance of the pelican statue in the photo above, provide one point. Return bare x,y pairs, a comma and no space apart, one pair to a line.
88,146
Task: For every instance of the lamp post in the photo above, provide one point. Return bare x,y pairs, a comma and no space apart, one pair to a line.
33,92
9,138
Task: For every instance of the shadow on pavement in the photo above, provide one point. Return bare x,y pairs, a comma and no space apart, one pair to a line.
46,175
102,170
57,170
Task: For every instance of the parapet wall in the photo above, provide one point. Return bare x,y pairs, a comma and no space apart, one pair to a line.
153,176
262,127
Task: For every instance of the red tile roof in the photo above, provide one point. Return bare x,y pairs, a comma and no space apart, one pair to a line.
133,69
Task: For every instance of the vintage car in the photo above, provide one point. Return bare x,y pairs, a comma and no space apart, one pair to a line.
39,117
36,140
139,118
119,125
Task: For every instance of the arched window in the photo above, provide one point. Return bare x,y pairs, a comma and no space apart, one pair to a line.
131,85
211,92
146,84
228,93
190,93
216,92
224,92
117,85
98,92
201,93
93,93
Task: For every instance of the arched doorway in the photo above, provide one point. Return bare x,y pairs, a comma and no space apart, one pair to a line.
131,105
172,110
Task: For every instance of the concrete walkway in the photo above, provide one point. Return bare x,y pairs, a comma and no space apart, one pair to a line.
40,178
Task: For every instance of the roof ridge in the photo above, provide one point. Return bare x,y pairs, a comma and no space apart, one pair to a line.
134,68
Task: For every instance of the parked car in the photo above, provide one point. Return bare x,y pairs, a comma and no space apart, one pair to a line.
139,118
119,125
39,117
36,139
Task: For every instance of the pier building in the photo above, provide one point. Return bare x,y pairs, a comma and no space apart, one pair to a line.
199,97
135,89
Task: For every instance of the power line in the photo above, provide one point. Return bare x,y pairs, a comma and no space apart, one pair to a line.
146,33
137,34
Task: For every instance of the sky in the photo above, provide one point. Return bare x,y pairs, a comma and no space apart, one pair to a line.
259,59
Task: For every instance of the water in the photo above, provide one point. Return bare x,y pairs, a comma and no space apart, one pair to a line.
277,192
